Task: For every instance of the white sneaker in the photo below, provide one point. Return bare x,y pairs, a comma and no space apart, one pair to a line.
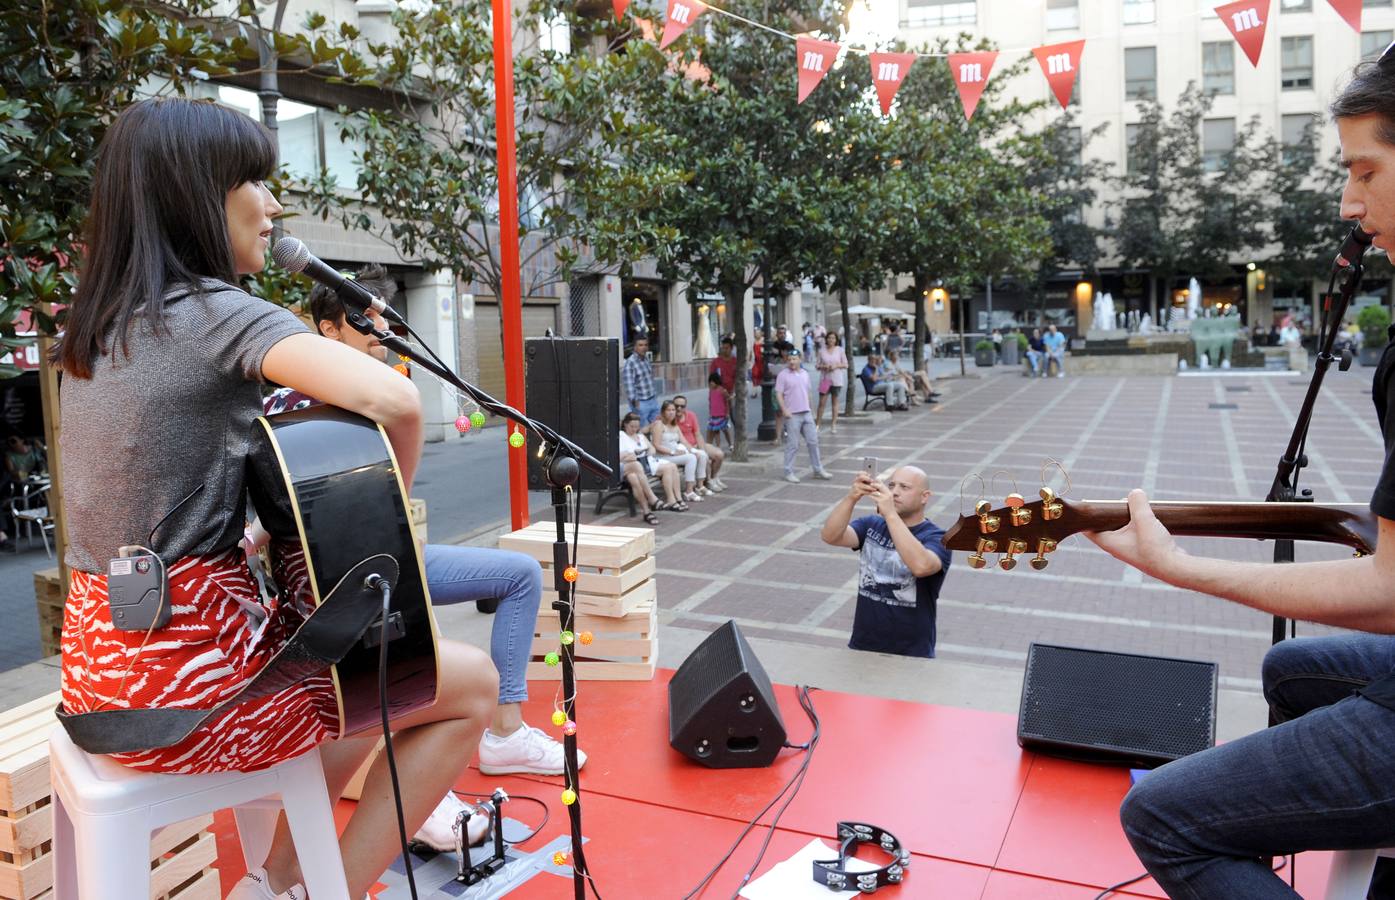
254,886
792,478
528,750
439,830
714,486
823,474
721,485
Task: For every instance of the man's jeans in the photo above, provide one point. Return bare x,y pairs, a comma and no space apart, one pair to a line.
795,425
1323,780
461,574
647,410
1059,358
895,392
1034,360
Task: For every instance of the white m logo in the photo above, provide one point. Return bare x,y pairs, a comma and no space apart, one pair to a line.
812,61
970,72
1246,19
888,71
681,13
1057,63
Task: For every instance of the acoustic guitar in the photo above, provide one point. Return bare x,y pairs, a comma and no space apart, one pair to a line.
1019,528
328,478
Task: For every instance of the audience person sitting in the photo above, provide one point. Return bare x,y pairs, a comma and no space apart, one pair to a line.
668,442
22,459
1055,344
639,463
893,367
1036,353
892,389
688,427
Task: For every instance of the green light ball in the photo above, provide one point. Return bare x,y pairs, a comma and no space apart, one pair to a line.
477,419
517,439
552,659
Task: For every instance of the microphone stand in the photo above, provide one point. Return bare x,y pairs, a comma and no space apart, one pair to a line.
563,457
1285,485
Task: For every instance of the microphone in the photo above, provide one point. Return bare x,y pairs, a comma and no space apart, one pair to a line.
292,255
1353,248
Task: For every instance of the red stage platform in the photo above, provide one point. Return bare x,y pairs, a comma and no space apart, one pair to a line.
983,818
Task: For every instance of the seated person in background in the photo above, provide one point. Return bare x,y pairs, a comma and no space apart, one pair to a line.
893,366
22,459
902,562
892,388
638,460
456,574
669,443
688,427
1036,352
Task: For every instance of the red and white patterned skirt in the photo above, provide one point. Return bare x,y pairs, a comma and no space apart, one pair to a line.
207,652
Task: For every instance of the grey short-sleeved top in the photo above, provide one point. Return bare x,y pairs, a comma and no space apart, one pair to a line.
146,430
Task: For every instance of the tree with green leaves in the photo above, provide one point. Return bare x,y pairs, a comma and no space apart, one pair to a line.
1307,227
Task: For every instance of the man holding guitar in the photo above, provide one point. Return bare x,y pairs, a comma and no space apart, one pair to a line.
1206,825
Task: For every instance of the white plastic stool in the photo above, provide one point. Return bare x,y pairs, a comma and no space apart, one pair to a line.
1350,878
104,814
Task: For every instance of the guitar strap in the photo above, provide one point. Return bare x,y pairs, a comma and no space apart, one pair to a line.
323,639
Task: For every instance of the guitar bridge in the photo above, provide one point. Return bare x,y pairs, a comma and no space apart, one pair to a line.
396,629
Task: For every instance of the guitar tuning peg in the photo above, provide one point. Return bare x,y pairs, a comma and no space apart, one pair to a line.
1047,495
1044,546
985,545
1014,500
987,523
1014,547
1021,515
982,508
1051,506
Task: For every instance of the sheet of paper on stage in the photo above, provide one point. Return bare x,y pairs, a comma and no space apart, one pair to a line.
793,879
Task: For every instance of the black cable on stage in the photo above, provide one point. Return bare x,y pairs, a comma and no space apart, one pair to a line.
386,590
807,704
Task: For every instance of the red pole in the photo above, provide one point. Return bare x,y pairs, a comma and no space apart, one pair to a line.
511,303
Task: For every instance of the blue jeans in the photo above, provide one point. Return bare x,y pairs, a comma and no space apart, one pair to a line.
461,574
647,410
1034,359
1322,780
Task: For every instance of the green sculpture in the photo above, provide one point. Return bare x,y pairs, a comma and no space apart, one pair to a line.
1214,338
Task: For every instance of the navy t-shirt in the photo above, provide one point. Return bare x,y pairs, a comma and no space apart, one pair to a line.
895,609
1382,690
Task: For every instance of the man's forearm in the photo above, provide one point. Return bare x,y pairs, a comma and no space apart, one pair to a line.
837,522
919,560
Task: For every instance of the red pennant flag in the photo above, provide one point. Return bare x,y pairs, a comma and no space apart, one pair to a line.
1060,63
681,14
1247,21
970,74
620,7
815,58
888,71
1350,11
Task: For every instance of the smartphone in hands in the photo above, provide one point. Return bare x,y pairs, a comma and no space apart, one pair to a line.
871,466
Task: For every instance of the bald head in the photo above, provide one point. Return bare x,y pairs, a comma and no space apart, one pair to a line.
913,475
910,489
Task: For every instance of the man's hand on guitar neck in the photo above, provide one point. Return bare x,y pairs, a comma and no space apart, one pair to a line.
1143,543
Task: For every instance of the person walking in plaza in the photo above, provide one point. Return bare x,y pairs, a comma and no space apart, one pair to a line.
1036,353
638,375
1208,824
668,442
902,562
792,399
833,378
688,427
1055,344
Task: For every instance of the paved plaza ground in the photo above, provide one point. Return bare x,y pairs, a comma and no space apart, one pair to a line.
753,554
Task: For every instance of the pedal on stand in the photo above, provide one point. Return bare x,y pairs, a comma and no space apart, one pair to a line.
470,872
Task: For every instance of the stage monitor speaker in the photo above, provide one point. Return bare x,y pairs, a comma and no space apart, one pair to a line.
1093,705
573,385
721,708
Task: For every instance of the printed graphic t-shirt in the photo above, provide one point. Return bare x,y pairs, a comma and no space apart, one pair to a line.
895,609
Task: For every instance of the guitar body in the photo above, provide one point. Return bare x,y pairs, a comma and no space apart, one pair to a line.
328,478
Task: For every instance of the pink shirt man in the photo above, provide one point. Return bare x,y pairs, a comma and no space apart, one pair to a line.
793,387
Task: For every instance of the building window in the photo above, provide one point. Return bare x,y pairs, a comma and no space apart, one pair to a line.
1075,144
1140,73
930,13
308,136
1218,67
1296,63
1131,160
1289,6
1373,43
1372,4
1062,14
1293,127
1217,141
1140,12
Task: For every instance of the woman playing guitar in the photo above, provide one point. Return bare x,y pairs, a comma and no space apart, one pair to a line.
162,358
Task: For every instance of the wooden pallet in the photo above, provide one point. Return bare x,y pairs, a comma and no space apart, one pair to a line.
619,603
182,855
624,648
599,546
49,599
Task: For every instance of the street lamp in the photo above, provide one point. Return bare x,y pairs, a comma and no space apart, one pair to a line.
765,431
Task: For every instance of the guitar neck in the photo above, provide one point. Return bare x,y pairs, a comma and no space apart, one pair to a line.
1350,524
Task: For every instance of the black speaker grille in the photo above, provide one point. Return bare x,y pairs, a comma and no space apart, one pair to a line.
709,669
1147,709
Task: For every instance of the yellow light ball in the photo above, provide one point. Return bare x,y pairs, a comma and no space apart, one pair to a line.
558,717
566,638
559,858
568,797
517,440
587,637
570,574
552,659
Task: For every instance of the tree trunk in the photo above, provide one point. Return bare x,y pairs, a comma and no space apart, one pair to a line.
736,306
922,285
848,348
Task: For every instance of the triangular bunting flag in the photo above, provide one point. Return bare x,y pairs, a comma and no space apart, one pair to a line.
1060,63
970,74
815,58
1350,11
888,71
1247,20
620,7
681,14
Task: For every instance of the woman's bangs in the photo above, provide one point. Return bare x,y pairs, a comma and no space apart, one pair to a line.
250,150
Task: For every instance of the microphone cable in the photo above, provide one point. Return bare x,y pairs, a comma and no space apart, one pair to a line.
384,588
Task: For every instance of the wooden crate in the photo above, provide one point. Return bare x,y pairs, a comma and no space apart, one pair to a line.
625,648
598,546
182,855
49,600
417,509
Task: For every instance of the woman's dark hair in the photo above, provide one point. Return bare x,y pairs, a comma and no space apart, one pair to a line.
714,378
836,339
628,417
158,216
1371,90
325,305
